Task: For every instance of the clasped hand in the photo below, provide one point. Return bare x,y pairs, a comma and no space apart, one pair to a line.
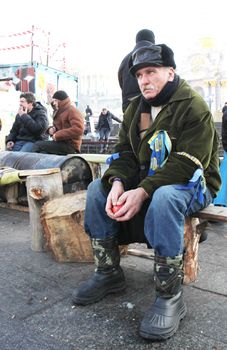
131,202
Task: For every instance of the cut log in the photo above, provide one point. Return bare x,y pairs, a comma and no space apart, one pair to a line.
63,223
191,243
62,220
39,190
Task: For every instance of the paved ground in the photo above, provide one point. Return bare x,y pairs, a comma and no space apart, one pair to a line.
36,311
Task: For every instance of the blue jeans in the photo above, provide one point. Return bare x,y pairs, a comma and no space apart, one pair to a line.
23,146
164,219
104,134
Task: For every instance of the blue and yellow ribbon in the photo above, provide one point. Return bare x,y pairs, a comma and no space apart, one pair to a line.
160,145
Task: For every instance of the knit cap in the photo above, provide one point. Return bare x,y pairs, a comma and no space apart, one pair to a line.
60,95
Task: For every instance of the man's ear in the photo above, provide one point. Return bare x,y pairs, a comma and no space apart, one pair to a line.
171,73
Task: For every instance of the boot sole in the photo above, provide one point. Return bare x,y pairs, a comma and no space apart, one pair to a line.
165,336
87,301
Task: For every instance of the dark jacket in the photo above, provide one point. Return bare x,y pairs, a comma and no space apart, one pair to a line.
224,108
224,130
31,126
69,123
109,117
127,82
190,126
88,111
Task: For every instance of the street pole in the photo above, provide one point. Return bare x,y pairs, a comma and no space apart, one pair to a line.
32,45
48,48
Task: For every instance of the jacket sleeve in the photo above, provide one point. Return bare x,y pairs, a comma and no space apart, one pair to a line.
120,80
123,67
115,118
14,131
75,129
99,124
37,125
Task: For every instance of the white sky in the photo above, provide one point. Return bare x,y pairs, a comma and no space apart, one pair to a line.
99,33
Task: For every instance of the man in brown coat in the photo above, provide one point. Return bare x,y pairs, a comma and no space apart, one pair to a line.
67,129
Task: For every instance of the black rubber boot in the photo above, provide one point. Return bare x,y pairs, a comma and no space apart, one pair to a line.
108,277
162,320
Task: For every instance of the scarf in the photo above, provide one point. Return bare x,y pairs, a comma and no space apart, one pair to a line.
162,98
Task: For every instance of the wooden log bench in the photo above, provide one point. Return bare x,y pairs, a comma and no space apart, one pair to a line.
62,221
192,232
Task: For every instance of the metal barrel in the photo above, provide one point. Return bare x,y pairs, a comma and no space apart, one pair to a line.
76,171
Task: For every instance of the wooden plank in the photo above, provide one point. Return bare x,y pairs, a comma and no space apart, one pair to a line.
14,206
140,253
94,158
33,172
212,212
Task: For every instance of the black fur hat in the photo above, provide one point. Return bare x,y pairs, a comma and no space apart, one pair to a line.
151,55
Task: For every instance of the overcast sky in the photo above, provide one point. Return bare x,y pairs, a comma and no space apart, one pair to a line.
100,32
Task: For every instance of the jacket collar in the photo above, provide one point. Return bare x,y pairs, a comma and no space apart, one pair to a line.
63,105
183,92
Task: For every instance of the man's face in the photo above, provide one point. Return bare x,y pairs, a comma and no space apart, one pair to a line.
104,111
151,80
25,105
54,103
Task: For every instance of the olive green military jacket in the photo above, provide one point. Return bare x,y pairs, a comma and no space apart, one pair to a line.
190,126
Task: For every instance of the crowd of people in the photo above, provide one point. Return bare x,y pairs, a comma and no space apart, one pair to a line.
31,131
157,175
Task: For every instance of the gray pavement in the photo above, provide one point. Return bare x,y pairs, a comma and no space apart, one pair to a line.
36,312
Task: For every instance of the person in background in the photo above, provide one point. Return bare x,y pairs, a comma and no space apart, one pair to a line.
104,127
128,83
30,124
158,175
67,129
88,114
88,111
224,107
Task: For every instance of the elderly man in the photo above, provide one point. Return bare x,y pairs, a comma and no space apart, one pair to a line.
67,128
165,168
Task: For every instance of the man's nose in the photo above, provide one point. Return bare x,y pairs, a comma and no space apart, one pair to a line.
145,79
